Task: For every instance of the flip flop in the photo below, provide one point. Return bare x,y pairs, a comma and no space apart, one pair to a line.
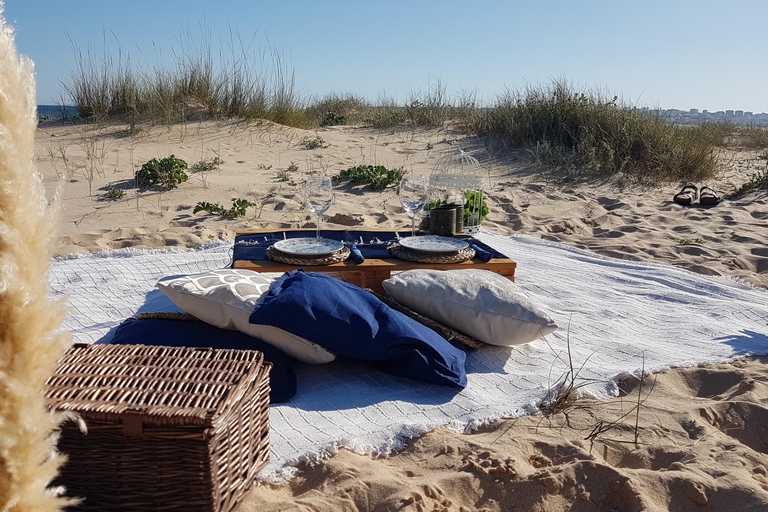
686,195
708,197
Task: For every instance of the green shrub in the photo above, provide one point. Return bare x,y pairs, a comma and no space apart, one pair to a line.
333,119
114,194
238,208
375,177
569,129
206,165
758,181
284,176
168,172
313,143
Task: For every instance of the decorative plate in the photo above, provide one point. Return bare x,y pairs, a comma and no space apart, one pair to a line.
433,243
308,246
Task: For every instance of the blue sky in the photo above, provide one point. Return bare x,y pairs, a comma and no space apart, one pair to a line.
670,54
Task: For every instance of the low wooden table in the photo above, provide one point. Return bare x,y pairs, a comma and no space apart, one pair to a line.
372,272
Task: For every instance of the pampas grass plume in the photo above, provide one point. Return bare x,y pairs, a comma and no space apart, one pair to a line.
29,344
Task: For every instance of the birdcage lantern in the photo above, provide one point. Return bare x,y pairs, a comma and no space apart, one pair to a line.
457,179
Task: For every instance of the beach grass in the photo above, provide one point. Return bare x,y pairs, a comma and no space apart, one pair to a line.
198,84
587,133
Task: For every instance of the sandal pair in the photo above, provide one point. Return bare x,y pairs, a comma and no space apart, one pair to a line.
707,196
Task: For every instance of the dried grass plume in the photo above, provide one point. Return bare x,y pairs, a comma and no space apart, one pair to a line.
29,346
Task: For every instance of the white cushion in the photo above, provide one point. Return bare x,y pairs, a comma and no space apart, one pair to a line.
225,298
479,303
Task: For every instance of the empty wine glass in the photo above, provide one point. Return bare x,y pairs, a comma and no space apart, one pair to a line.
413,197
318,196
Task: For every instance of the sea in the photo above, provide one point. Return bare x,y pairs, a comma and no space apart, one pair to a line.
50,112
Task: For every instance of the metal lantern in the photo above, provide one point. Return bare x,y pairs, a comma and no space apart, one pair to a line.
457,179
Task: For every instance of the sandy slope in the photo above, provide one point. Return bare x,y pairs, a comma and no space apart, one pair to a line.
703,445
703,432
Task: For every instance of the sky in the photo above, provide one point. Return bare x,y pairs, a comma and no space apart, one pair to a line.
705,54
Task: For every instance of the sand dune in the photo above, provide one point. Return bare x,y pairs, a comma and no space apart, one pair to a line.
702,432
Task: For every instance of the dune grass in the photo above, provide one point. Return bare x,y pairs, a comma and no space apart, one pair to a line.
586,133
598,135
197,84
757,182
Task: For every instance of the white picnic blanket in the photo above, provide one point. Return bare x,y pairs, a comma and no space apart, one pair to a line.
618,316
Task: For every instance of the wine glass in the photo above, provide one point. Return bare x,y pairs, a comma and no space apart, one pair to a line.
413,197
318,196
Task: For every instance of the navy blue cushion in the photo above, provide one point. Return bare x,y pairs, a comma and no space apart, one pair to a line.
351,322
179,333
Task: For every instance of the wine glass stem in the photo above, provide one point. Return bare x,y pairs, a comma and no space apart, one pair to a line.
317,228
413,226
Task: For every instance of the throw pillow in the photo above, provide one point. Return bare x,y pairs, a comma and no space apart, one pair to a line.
226,297
477,302
348,320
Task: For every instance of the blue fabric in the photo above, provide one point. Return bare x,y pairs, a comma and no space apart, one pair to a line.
371,244
481,253
356,254
179,333
349,321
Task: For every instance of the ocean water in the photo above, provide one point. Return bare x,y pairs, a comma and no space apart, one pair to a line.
56,111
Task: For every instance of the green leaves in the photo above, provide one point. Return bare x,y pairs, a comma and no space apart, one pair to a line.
238,208
375,177
168,172
333,119
473,205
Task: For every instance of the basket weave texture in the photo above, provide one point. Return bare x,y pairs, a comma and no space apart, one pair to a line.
404,253
335,257
168,428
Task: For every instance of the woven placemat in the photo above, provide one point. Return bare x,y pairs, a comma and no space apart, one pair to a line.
398,251
329,259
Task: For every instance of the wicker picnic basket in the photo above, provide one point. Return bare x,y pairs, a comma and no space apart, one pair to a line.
168,428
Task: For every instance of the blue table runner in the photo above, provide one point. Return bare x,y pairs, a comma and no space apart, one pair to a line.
372,244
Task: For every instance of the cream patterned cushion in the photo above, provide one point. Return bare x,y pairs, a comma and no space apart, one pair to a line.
225,298
480,303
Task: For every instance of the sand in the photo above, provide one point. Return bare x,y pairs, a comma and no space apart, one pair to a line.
702,435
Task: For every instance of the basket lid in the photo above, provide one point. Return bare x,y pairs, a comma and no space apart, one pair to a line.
163,386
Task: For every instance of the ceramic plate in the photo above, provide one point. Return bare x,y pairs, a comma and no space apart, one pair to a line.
308,246
432,243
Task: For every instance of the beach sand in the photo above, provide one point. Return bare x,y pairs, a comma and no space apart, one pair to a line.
702,435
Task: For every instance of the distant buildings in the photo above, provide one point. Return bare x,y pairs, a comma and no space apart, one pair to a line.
693,116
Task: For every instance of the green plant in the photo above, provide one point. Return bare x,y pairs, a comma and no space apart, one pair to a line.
168,172
375,177
214,82
203,167
313,143
263,167
284,176
206,165
238,208
292,168
757,181
754,137
689,241
333,119
595,135
337,109
473,204
430,146
114,194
